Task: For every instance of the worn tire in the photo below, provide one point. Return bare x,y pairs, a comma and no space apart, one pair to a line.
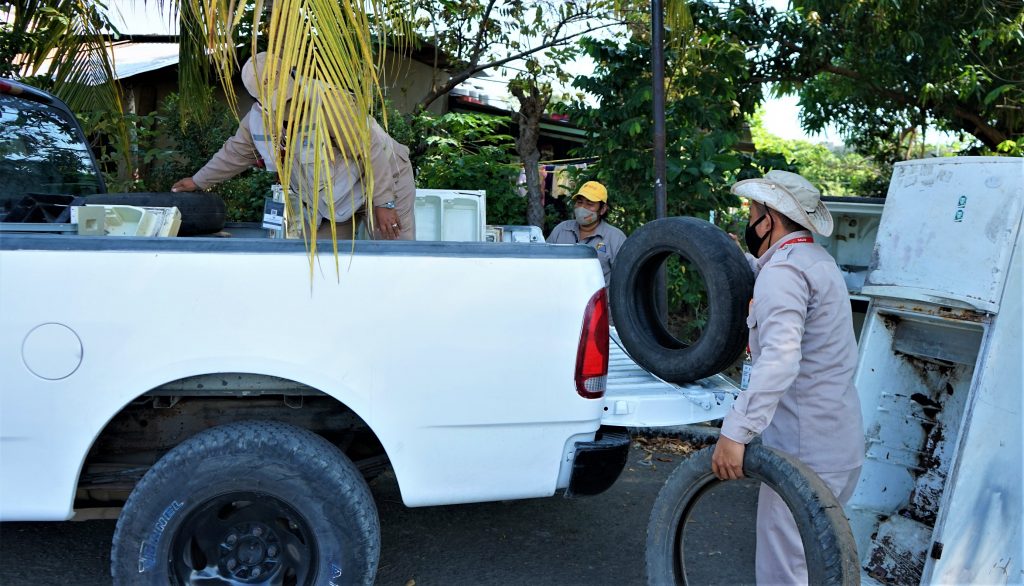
243,496
727,277
829,546
201,213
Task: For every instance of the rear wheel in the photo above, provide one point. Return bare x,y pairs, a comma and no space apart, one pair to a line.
249,503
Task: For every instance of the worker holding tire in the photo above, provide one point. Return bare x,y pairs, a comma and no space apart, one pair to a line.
800,397
394,190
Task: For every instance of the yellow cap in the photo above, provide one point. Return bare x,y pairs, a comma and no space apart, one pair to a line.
593,191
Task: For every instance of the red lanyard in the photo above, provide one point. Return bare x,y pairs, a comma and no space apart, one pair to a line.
797,240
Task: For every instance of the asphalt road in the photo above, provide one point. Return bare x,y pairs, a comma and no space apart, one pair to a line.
593,541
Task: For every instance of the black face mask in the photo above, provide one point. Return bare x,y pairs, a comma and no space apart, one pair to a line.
752,240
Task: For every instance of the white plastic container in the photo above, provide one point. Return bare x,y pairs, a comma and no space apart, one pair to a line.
450,215
124,220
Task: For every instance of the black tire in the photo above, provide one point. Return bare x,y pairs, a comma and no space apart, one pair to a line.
727,278
829,546
201,213
247,496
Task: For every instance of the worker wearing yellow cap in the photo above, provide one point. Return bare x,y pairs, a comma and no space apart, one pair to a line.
589,227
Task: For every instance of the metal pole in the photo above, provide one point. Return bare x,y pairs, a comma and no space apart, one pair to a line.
658,67
660,175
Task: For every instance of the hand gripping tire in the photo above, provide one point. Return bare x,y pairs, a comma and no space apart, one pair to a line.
252,502
829,546
727,277
201,213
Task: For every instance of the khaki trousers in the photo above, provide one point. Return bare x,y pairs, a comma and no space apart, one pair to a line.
779,555
405,206
345,230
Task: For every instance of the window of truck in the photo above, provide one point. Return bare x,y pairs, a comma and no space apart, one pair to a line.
41,152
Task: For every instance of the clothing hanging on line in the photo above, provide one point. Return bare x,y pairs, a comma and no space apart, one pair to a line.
555,181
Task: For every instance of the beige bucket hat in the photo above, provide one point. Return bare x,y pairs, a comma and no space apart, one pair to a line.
255,68
791,195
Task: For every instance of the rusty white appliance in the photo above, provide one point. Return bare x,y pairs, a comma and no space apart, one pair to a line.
940,496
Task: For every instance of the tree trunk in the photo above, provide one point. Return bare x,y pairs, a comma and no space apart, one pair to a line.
531,108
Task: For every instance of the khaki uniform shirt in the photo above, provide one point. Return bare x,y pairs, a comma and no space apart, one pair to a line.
386,159
405,190
393,179
236,155
801,395
606,240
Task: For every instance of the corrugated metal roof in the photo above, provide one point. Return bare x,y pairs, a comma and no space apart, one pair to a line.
132,58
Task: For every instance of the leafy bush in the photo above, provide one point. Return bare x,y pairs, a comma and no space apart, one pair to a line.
467,151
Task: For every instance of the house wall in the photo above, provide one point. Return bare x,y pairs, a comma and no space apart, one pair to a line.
144,92
407,81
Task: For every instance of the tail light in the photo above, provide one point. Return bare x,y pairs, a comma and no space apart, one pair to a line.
592,355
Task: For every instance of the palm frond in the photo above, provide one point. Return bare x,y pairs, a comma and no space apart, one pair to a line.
206,39
679,23
323,53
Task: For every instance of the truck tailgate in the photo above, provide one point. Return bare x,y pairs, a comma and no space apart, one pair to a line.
637,398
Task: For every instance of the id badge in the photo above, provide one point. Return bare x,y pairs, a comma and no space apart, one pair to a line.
273,214
745,375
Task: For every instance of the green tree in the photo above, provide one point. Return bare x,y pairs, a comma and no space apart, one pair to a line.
534,97
477,36
705,118
533,90
884,70
484,35
835,172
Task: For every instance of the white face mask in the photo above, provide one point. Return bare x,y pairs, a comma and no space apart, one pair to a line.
585,217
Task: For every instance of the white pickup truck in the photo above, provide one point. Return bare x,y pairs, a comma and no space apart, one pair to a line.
227,396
